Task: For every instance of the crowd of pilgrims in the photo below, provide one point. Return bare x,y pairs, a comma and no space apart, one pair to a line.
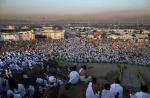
84,50
72,49
39,87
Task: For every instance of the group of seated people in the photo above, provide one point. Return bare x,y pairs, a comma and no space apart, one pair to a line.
82,75
114,90
39,85
93,90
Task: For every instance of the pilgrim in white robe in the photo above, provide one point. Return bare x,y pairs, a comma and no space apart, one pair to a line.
21,89
1,63
74,77
116,88
54,82
39,81
31,90
90,93
84,78
106,94
140,95
9,93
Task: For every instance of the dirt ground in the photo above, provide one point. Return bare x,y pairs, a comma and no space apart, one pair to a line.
108,71
145,72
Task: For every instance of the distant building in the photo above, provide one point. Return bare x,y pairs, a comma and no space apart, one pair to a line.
146,32
10,33
141,36
22,35
90,36
125,36
51,33
57,34
8,36
9,27
26,35
112,36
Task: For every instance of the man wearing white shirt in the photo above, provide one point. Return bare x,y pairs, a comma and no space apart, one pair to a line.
39,81
17,67
106,92
52,80
31,90
73,76
21,89
16,93
10,93
1,63
142,94
24,64
92,90
116,89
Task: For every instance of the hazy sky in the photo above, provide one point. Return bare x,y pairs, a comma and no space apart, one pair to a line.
73,9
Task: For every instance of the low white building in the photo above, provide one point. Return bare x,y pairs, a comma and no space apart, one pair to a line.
57,34
26,35
9,27
146,32
22,35
125,36
90,36
53,34
11,33
141,36
9,36
112,36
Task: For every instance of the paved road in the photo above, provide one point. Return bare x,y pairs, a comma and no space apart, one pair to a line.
130,78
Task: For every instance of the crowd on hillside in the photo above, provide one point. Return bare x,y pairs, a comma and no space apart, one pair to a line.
9,46
29,55
15,63
83,50
40,86
31,86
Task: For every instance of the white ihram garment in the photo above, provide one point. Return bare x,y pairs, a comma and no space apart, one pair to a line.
116,88
74,77
140,95
106,94
90,92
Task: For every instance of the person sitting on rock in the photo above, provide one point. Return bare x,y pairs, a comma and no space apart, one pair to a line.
53,81
84,75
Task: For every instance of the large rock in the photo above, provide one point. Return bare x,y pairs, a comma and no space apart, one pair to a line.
75,91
